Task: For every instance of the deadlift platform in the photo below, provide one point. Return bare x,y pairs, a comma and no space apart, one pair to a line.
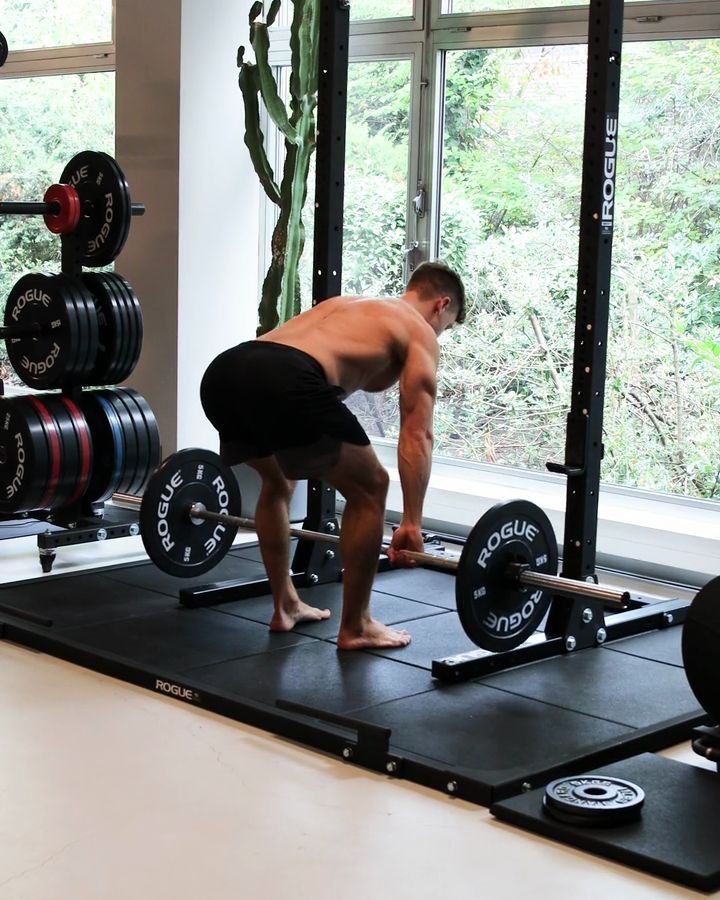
484,740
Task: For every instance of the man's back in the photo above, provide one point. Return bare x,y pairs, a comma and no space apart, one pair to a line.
361,343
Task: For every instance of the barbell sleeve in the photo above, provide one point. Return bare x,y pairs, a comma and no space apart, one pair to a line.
572,588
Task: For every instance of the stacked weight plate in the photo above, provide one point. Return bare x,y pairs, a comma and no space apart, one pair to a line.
80,332
126,441
56,451
120,326
64,350
45,453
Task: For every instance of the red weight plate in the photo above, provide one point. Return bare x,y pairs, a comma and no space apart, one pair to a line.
53,438
67,217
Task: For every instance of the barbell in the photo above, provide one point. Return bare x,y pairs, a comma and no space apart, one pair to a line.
505,576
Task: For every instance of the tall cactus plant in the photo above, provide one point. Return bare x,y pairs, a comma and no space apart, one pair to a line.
297,125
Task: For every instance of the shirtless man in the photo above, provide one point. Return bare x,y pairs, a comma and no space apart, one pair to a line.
277,405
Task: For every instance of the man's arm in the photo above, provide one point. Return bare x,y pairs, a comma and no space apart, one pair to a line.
418,389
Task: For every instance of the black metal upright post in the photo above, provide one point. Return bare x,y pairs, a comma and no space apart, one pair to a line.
315,559
584,445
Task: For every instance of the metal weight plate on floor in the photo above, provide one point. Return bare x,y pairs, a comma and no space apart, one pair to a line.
25,463
109,468
701,647
176,543
3,49
497,612
44,361
106,207
593,801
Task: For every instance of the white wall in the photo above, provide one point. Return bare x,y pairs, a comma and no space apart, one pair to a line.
193,257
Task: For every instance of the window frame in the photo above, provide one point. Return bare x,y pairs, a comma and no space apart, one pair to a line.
69,59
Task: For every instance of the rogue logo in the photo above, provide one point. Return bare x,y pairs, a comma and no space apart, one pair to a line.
518,528
17,482
163,526
609,166
167,687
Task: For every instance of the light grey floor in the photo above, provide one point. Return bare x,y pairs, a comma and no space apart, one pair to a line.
109,792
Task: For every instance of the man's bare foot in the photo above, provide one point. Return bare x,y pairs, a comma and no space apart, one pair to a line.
372,634
287,619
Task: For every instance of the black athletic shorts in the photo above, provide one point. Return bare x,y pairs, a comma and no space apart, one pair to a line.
266,398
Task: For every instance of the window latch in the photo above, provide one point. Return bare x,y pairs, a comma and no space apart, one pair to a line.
418,203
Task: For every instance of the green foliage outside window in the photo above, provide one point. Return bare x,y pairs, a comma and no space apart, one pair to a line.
510,199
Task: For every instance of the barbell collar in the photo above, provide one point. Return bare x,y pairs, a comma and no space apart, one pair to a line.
197,511
569,587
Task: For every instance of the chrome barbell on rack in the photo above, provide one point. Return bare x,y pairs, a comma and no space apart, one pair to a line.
506,574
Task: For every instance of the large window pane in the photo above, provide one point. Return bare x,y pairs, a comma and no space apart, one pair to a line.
663,390
509,209
376,174
44,122
365,10
29,24
512,147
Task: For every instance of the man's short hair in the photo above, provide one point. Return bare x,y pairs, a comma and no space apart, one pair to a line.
432,279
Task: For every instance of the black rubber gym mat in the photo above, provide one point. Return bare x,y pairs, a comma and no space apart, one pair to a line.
82,599
318,675
385,607
434,637
662,646
598,682
423,585
179,639
497,738
232,568
585,708
676,836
